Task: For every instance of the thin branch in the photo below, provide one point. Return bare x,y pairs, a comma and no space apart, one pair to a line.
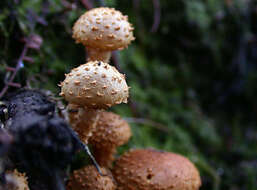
87,4
67,6
17,85
17,68
28,59
9,69
136,4
148,122
157,15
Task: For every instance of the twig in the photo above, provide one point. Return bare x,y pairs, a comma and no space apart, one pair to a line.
17,85
139,22
136,4
17,68
87,4
149,122
67,6
157,15
10,69
28,59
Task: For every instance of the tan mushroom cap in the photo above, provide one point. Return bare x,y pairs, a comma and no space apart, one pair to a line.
154,170
95,85
112,131
104,29
89,178
19,181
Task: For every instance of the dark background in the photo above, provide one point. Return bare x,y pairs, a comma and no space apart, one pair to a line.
192,72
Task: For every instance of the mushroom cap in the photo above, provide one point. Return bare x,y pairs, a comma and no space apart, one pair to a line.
112,131
104,29
95,85
154,170
89,178
18,180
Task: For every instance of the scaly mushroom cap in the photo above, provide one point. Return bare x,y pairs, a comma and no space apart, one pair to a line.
95,85
112,131
89,178
18,180
154,170
104,29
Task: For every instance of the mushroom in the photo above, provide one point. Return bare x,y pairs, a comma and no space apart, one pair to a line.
88,178
16,181
103,30
151,169
94,86
112,132
73,113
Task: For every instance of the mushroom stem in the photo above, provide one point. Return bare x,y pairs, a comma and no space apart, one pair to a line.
89,118
98,55
104,157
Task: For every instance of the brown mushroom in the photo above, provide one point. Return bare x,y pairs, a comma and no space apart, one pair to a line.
103,30
151,169
112,132
16,181
94,86
90,179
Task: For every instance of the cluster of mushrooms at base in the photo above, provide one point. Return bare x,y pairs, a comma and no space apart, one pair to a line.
92,88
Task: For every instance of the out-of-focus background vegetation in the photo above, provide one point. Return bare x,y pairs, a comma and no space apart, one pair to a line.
193,74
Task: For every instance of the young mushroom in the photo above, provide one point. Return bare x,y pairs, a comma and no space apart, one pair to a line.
103,30
151,169
112,132
16,181
93,86
90,179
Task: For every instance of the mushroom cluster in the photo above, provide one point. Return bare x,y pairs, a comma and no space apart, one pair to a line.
94,87
112,132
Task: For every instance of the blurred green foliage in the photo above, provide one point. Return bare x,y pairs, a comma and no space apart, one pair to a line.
192,81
